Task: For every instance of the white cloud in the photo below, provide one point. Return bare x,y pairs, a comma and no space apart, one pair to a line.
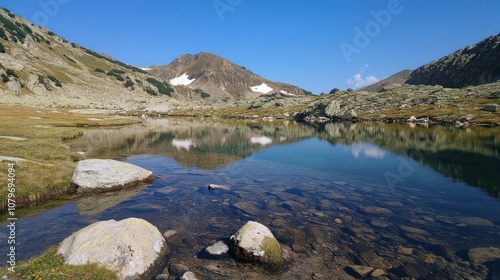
357,81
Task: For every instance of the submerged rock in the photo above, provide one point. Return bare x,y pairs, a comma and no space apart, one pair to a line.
214,187
482,255
132,247
359,270
98,175
219,249
255,243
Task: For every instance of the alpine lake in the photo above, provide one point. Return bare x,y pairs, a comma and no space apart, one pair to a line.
407,201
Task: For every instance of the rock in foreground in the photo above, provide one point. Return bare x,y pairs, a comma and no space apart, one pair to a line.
98,175
132,247
255,243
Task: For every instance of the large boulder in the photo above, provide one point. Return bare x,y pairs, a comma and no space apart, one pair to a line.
255,243
332,110
98,175
134,248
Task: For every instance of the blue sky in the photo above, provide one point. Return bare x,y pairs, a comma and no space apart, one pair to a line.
317,45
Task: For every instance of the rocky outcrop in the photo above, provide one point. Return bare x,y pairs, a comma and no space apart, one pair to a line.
134,248
100,175
255,243
474,65
326,109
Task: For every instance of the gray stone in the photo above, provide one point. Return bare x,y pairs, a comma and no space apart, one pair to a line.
14,85
255,243
188,276
162,277
405,250
214,187
177,269
378,272
247,207
351,114
482,255
173,237
332,110
218,249
475,221
132,247
97,175
376,210
491,108
359,270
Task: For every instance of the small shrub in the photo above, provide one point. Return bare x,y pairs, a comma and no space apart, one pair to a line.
69,58
203,94
3,35
119,78
5,78
129,83
99,70
12,73
55,81
41,79
151,91
163,88
2,48
50,33
117,71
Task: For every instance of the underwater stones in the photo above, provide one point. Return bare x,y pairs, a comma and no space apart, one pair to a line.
376,210
474,221
482,255
173,236
98,175
255,243
133,247
294,205
215,187
413,230
405,250
359,270
247,207
219,249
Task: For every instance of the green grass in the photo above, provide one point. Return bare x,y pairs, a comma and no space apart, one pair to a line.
50,164
51,266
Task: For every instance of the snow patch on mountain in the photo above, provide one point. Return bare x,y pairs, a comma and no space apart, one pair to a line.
264,88
286,93
182,80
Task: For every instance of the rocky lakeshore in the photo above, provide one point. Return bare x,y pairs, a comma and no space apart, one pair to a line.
474,105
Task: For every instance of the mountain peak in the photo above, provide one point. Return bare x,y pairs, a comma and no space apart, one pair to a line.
219,77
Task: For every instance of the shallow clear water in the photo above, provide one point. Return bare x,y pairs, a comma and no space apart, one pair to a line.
334,195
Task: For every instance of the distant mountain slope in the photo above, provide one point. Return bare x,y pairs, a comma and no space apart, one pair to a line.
39,68
398,78
219,77
474,65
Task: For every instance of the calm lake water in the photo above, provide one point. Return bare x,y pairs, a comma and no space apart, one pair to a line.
412,201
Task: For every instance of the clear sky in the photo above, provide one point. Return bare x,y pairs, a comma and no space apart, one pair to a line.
314,44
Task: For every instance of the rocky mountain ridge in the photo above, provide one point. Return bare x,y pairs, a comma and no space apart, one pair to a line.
473,65
213,76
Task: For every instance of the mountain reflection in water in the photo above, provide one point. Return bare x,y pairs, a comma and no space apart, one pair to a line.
470,155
